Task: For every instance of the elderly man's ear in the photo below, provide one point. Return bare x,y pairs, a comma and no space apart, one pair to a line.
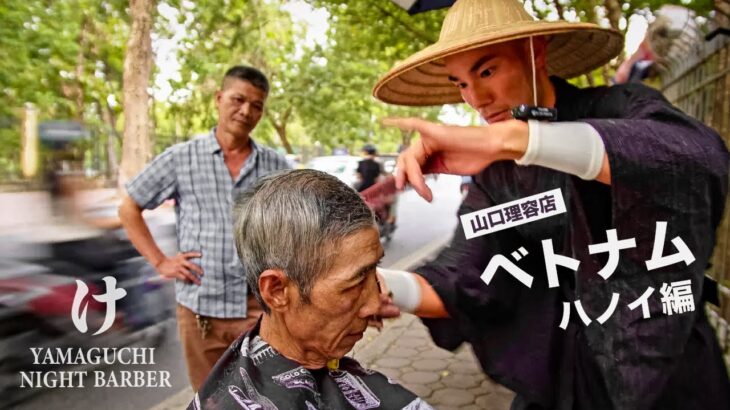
275,290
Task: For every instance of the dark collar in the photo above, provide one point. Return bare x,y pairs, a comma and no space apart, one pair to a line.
572,102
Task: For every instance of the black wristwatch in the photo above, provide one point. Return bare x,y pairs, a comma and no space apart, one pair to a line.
526,112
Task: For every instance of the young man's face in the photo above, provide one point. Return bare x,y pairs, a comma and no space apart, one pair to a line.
493,79
341,301
240,106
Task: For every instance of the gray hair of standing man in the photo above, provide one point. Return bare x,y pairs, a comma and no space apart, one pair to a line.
293,220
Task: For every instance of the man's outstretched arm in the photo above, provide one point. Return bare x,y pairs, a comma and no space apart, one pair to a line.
572,147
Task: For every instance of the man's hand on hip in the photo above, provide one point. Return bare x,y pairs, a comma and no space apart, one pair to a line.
179,267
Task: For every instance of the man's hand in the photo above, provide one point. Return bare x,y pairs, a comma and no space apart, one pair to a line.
179,267
455,150
387,311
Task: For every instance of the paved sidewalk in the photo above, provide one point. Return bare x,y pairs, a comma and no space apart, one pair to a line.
404,351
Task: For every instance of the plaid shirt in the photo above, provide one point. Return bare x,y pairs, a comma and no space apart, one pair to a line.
195,175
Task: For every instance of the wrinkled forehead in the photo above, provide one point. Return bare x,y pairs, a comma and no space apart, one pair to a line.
353,254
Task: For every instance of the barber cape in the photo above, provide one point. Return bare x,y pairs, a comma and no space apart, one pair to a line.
252,375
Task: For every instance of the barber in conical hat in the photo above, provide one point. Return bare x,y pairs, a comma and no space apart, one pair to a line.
597,307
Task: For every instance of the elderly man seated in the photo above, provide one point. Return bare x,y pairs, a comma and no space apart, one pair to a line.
310,246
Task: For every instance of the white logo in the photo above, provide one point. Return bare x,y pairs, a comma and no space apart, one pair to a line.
110,298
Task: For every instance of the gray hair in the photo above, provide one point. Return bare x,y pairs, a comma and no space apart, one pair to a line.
292,220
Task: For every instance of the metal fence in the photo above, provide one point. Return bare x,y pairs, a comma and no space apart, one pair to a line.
699,84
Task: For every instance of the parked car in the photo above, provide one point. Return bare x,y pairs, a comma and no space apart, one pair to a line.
388,161
344,167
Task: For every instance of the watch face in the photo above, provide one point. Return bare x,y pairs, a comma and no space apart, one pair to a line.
528,112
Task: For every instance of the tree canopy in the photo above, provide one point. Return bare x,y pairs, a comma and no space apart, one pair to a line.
66,57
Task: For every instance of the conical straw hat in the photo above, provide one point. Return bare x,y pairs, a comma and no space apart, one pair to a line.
421,79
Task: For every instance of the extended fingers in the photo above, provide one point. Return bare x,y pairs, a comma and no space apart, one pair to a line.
405,124
409,171
184,274
193,267
387,308
413,170
389,311
180,268
411,124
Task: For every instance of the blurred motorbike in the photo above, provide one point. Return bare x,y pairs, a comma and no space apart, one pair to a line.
37,290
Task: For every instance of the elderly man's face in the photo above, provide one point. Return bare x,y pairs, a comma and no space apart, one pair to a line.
493,79
342,299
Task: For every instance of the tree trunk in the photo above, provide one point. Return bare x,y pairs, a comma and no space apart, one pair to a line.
281,131
136,147
559,9
79,71
723,12
112,164
106,113
280,126
606,73
613,12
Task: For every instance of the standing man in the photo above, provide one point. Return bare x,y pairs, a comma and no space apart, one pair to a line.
204,176
368,169
630,168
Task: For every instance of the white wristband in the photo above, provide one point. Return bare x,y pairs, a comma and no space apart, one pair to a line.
572,147
405,289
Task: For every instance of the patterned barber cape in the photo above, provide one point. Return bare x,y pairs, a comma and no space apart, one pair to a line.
252,375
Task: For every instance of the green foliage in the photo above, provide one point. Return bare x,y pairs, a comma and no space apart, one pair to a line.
62,56
222,34
365,39
66,57
325,89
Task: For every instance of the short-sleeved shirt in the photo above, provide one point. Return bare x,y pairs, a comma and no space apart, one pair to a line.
195,175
